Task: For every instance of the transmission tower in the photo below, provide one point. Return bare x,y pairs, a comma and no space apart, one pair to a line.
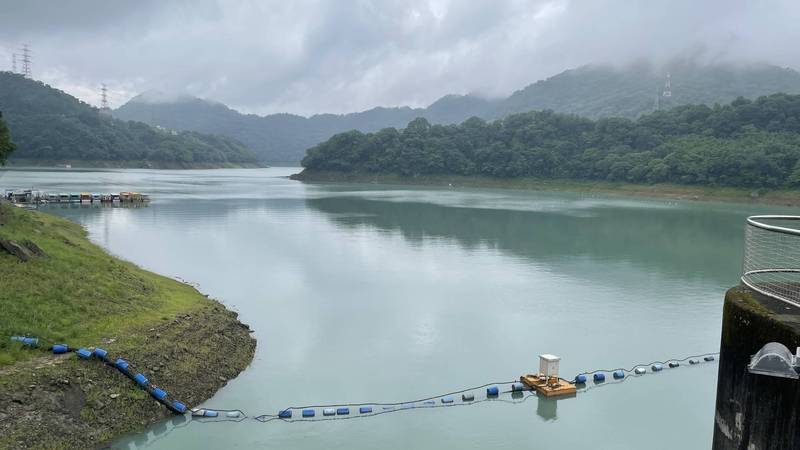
667,87
26,61
103,96
14,62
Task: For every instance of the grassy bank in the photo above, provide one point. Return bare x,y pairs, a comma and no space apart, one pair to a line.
78,294
668,191
133,164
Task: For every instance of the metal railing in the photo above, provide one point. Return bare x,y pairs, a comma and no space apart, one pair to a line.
771,263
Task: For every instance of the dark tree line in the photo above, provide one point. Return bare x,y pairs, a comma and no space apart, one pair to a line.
6,146
745,143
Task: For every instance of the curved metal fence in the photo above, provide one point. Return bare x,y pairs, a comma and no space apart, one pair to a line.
771,263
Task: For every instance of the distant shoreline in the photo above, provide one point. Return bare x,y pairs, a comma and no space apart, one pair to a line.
129,164
784,197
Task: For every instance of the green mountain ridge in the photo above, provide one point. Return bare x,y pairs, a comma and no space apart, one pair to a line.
592,91
47,124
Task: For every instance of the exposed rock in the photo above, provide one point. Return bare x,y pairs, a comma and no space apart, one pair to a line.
22,253
35,249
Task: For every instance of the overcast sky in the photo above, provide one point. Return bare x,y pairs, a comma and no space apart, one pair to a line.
311,56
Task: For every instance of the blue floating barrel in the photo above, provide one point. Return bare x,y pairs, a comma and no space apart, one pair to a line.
308,413
365,410
100,353
599,377
407,406
619,374
640,371
674,364
17,338
232,414
140,379
447,399
121,364
328,412
180,407
60,348
342,411
388,408
33,342
429,403
159,394
285,414
83,353
708,358
210,413
467,397
517,386
580,378
694,361
492,390
656,367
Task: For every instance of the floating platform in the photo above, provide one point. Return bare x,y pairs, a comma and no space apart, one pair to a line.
549,386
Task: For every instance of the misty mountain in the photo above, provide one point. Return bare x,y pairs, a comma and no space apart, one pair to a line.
591,91
47,124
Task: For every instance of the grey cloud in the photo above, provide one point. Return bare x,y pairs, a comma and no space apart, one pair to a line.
310,56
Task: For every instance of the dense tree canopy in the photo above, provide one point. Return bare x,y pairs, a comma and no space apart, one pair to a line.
49,124
746,143
6,146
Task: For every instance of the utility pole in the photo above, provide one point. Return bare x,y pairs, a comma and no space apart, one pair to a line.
26,60
667,87
103,96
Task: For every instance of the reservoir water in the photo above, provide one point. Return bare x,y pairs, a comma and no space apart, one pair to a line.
362,293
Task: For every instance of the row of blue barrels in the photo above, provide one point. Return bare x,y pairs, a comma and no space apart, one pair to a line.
120,364
447,400
619,374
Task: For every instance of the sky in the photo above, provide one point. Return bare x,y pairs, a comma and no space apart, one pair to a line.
338,56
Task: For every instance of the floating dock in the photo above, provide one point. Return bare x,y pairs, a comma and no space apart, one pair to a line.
547,382
549,386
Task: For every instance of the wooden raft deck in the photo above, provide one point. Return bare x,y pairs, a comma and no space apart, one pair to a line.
552,387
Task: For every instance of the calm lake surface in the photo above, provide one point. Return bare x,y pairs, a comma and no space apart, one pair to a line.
362,293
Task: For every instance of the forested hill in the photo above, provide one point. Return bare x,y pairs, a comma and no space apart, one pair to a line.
745,143
47,124
591,91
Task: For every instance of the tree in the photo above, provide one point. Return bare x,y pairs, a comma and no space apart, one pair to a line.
6,146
